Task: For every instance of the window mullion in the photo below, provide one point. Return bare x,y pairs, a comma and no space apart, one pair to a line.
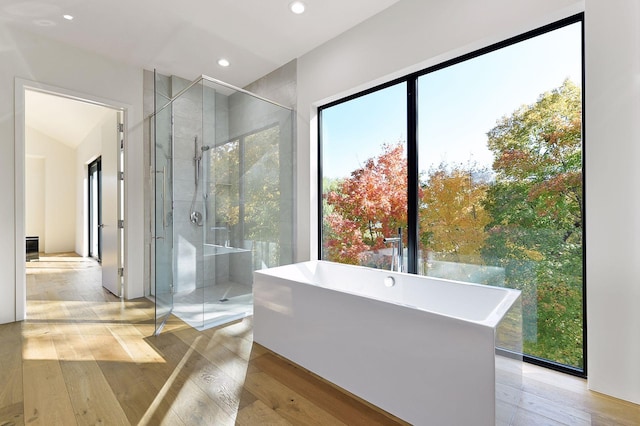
412,175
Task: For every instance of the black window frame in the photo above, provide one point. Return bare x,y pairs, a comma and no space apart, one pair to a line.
411,81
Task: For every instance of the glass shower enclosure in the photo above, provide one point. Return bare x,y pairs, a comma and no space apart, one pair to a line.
223,197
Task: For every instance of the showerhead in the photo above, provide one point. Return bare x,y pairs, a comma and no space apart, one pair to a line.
205,148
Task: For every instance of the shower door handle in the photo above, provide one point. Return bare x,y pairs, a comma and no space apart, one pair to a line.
164,203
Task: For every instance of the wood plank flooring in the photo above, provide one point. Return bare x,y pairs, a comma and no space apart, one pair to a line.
85,357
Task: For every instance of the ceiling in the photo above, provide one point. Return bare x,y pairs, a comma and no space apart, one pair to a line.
186,38
183,38
66,120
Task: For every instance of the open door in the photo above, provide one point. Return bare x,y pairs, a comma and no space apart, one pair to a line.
111,274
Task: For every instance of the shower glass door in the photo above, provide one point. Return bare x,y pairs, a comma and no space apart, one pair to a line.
163,200
246,190
223,172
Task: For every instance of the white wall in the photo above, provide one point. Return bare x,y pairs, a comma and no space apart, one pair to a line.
27,56
86,152
414,34
612,195
59,216
34,198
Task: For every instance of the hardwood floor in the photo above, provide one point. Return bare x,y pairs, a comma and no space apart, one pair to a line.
86,357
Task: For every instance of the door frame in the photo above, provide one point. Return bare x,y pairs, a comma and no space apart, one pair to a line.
22,85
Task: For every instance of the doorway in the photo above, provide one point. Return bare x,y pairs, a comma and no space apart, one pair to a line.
92,179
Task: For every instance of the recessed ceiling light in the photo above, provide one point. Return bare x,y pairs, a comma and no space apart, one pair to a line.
223,62
44,23
297,7
68,17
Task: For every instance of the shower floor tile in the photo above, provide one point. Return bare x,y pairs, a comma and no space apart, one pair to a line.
211,306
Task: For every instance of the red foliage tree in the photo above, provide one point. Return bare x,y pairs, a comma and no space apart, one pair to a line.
367,206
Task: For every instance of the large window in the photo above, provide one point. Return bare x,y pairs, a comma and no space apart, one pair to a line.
479,160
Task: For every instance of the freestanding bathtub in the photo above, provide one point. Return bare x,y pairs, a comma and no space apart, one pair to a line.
427,350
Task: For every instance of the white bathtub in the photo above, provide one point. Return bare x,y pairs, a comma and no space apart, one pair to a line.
423,349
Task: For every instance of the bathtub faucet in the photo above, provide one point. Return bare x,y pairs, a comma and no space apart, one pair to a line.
396,258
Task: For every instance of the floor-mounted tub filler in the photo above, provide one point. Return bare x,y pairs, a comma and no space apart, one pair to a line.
427,350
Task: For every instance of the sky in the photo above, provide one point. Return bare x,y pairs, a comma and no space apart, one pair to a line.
457,105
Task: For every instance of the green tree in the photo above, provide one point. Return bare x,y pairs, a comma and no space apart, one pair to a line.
262,185
536,213
244,190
